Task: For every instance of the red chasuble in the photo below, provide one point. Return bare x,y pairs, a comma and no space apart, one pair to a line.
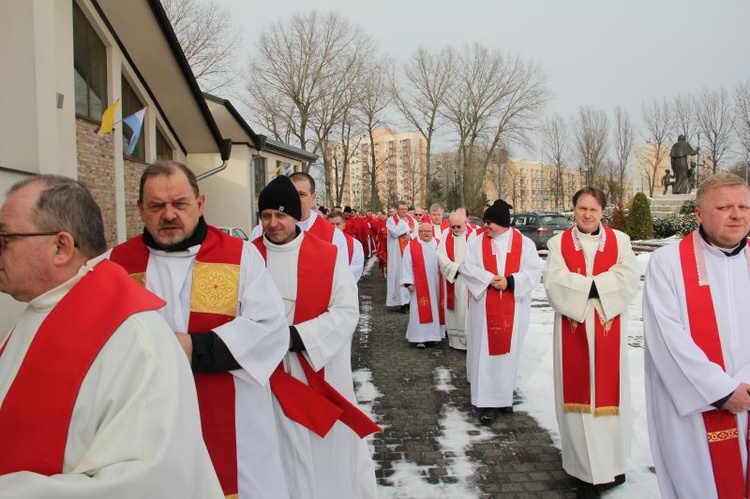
318,405
421,284
35,415
575,346
449,286
213,302
721,426
500,306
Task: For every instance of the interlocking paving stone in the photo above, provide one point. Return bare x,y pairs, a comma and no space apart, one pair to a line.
517,460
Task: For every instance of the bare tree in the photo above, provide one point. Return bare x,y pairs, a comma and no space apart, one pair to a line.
657,118
420,94
623,145
337,105
299,72
374,101
590,129
742,119
555,147
683,113
713,111
493,102
207,38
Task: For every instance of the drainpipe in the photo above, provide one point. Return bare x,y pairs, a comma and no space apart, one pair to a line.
225,149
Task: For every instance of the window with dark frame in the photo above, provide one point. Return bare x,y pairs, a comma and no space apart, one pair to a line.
90,68
259,175
163,149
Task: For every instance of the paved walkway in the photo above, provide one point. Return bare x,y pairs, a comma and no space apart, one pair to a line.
513,458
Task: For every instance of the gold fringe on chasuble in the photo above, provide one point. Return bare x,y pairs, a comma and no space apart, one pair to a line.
607,411
577,408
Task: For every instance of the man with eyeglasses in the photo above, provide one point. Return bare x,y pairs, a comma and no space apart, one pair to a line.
501,268
450,253
95,397
420,274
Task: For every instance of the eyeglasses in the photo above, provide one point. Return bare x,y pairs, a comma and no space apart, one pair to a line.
5,236
418,214
457,226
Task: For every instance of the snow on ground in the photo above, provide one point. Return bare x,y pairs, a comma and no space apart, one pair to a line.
535,386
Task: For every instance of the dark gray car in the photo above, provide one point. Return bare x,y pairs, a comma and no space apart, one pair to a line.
539,226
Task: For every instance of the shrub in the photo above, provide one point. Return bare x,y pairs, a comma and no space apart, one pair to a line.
640,224
619,217
688,207
680,225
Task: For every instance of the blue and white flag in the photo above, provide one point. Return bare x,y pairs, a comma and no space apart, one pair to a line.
135,123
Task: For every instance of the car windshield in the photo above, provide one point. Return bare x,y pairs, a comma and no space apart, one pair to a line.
554,220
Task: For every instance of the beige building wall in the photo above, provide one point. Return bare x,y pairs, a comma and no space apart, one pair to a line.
37,129
402,174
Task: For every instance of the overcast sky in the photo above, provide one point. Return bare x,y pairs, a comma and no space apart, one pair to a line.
600,53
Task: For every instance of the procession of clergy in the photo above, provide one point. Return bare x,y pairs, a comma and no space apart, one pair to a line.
96,399
475,285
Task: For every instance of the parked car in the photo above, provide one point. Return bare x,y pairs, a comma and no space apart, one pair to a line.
235,232
476,221
539,226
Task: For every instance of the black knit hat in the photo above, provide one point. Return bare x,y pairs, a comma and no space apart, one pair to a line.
280,194
499,213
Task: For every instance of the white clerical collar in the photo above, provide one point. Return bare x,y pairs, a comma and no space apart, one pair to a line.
306,224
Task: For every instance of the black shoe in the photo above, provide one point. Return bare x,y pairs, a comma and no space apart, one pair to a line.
506,410
419,346
619,480
404,309
586,490
487,415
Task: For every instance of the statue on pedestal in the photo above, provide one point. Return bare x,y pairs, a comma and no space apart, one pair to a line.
679,159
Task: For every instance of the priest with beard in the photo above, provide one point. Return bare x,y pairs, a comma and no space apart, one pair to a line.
450,252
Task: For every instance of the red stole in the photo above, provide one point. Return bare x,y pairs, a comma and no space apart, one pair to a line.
575,347
322,228
443,225
402,242
215,282
721,426
500,306
450,288
318,405
35,415
424,303
350,247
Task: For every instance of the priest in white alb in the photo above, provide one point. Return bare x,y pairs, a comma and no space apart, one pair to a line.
96,397
695,320
401,228
321,429
450,252
228,316
591,275
420,274
501,268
